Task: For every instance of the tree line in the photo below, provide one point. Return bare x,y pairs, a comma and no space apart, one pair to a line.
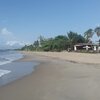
62,42
90,32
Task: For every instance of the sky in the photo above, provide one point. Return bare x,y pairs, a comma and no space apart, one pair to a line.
23,21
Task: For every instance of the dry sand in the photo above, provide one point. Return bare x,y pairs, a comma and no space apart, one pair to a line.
57,79
73,56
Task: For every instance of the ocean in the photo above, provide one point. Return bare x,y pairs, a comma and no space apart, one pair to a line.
7,56
10,70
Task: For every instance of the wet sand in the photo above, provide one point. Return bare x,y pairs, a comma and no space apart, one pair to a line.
56,79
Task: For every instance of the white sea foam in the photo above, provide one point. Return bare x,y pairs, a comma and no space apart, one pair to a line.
6,62
9,56
3,72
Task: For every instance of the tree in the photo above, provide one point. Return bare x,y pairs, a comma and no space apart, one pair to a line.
74,38
80,39
31,47
60,43
36,43
97,31
24,48
88,34
47,44
41,40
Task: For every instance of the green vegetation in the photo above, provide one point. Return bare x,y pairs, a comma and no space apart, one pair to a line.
89,34
74,38
58,43
61,42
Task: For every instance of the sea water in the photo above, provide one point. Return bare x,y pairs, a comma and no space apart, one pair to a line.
10,70
7,56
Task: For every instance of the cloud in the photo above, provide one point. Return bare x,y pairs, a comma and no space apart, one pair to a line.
5,31
6,35
17,43
9,40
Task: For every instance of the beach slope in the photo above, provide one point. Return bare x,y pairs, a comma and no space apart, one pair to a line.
55,79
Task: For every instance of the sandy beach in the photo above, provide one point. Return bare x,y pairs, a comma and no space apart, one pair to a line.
59,76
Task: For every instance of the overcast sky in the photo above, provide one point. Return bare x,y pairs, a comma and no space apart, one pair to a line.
23,21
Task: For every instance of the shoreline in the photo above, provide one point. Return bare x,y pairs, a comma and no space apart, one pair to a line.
55,79
18,69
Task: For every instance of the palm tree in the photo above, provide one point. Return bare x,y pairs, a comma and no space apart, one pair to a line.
88,34
36,44
71,39
74,38
97,31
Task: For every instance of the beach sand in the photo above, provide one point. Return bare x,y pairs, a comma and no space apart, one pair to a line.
60,76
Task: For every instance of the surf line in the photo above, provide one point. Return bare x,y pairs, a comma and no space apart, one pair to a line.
4,72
